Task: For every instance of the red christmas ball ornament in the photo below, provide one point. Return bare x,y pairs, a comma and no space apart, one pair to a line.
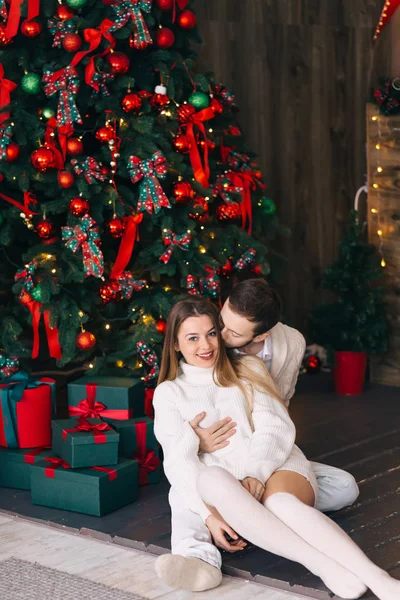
159,100
79,207
74,146
110,291
42,159
104,171
12,152
200,210
181,143
161,326
131,102
165,5
104,134
185,112
65,179
257,270
229,212
183,191
64,12
71,42
25,298
4,40
119,62
187,19
216,106
165,38
31,28
85,340
45,229
115,227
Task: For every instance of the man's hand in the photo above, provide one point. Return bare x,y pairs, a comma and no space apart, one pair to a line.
218,528
214,437
254,487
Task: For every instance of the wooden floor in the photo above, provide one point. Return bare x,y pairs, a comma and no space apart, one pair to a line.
360,434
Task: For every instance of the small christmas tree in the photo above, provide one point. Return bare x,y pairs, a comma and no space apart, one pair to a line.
125,180
356,321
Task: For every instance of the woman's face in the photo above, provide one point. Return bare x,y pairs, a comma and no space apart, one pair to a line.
198,341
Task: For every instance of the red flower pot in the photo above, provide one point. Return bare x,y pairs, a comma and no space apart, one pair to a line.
349,372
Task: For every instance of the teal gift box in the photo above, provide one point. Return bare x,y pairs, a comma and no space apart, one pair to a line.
93,491
106,397
85,442
15,465
137,441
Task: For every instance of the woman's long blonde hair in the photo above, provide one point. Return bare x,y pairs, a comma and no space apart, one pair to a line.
246,372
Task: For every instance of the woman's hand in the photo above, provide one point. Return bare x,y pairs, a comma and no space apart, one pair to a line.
254,487
218,528
214,437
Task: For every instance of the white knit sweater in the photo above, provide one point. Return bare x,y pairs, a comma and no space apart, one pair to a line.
249,454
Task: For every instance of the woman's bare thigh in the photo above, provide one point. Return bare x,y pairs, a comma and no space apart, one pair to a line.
292,483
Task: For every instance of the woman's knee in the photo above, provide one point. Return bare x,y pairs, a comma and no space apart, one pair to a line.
289,482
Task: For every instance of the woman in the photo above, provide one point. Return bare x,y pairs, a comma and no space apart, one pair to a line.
261,485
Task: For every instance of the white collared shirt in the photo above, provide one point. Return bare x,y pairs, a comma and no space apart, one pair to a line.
265,353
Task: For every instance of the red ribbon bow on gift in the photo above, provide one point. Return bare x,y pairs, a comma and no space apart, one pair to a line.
57,463
97,429
6,87
88,407
147,459
201,173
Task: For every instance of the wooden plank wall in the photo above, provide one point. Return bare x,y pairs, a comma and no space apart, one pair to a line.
383,144
300,71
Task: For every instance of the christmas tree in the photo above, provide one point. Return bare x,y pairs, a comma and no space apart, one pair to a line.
356,320
125,181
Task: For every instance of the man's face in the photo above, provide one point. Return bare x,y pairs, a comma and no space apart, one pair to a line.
237,331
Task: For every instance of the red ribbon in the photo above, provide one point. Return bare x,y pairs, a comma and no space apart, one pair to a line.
247,181
51,334
182,4
112,473
102,31
97,429
131,234
90,408
28,199
58,463
6,87
148,403
201,173
64,132
29,457
14,16
147,459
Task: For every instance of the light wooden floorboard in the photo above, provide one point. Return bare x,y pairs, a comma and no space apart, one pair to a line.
112,565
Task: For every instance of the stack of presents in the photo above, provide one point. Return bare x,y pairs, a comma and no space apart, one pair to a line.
92,462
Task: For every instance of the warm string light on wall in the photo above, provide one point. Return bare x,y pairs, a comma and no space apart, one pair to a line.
376,211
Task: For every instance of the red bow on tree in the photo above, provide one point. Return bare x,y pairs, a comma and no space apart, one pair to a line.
6,87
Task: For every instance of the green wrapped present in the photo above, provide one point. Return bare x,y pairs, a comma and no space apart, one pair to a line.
137,441
106,398
85,442
94,491
15,465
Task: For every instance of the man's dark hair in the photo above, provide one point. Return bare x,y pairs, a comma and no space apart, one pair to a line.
256,300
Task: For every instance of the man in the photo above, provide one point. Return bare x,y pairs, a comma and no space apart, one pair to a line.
250,325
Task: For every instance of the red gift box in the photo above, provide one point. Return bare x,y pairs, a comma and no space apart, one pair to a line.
26,410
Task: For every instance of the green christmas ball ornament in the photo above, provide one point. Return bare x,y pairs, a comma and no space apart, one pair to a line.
31,83
48,112
199,100
76,4
37,294
268,206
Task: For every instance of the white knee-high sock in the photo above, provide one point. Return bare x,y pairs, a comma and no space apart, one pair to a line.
257,524
326,536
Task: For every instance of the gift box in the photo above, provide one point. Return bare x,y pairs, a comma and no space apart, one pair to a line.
26,410
93,491
137,441
15,466
106,398
85,442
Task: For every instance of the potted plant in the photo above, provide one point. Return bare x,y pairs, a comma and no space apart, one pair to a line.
354,325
